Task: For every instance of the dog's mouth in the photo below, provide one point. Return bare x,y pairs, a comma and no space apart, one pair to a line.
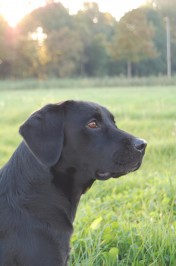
102,175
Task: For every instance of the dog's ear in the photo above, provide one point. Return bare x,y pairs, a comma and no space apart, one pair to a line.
43,132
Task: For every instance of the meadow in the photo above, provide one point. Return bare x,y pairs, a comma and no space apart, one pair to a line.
125,221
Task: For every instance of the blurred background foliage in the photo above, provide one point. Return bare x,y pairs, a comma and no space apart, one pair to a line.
49,42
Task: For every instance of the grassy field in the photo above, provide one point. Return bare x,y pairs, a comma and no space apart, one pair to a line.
131,220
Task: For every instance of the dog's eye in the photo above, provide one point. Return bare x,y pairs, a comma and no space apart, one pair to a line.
92,124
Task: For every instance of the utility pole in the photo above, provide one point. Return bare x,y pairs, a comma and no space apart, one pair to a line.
168,41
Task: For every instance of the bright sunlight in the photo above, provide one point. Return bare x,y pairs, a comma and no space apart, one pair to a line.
14,11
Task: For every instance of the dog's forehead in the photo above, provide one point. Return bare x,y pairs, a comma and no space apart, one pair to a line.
91,108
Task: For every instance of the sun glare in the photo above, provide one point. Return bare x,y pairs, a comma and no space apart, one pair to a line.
13,17
14,11
38,35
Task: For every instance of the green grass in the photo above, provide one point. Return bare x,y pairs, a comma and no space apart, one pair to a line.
85,82
131,220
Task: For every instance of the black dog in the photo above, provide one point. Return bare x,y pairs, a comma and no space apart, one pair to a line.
66,147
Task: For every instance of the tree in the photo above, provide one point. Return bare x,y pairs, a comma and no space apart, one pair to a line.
6,48
96,64
133,40
167,10
89,43
158,63
59,53
53,16
65,50
96,30
166,7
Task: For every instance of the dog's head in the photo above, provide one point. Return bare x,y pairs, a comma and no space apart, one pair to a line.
82,135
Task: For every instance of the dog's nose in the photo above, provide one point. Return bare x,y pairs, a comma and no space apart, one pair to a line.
139,144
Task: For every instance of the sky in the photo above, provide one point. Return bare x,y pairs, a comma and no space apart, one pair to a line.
14,10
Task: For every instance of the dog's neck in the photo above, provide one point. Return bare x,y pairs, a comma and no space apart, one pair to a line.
63,187
23,169
70,183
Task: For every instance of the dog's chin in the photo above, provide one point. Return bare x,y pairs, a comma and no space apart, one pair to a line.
102,175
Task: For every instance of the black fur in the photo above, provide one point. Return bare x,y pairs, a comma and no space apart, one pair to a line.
41,185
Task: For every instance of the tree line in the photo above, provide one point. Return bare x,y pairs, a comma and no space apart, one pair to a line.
49,42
